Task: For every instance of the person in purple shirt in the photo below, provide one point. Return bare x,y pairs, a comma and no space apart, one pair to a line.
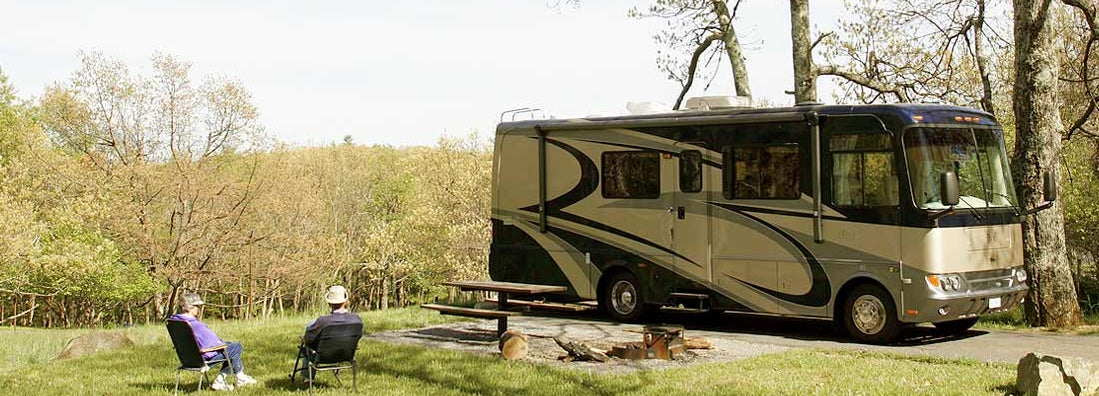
191,307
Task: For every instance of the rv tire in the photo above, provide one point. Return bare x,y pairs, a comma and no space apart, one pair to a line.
870,316
621,297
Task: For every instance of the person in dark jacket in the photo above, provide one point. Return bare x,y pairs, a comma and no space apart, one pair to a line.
336,297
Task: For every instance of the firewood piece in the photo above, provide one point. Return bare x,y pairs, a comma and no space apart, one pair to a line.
580,350
698,343
513,345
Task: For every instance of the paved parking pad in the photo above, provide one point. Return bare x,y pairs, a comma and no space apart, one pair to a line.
734,337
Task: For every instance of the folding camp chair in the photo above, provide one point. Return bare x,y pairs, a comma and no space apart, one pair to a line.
336,346
190,356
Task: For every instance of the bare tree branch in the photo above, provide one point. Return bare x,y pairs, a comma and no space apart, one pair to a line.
879,86
693,67
819,39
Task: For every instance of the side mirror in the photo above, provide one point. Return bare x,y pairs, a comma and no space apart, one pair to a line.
1049,190
948,188
1049,187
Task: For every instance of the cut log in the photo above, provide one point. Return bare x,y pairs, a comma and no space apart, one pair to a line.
580,351
513,345
698,343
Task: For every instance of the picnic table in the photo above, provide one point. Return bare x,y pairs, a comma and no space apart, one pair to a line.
503,290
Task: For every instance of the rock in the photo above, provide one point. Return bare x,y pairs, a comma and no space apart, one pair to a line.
94,342
1084,373
1041,375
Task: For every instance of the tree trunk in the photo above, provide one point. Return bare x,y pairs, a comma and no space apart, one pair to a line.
736,58
733,49
1051,300
805,78
982,59
30,319
248,314
513,345
383,303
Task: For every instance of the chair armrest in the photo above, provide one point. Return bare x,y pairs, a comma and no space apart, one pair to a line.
214,348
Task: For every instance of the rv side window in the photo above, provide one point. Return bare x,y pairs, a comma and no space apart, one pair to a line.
690,171
762,172
862,170
631,174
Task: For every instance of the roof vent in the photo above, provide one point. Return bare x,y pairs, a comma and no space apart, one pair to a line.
718,102
647,107
809,103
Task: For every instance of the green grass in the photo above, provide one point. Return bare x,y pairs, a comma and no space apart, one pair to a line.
412,370
1015,320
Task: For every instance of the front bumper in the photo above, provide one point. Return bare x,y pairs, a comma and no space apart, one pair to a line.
924,304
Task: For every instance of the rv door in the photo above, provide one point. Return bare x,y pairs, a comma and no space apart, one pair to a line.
690,212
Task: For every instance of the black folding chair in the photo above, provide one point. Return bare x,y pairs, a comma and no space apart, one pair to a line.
336,346
190,356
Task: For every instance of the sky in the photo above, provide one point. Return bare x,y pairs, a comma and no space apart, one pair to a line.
398,73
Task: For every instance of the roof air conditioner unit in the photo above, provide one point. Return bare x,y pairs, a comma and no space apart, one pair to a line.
718,102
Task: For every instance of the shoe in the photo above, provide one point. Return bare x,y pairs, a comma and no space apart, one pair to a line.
221,386
245,379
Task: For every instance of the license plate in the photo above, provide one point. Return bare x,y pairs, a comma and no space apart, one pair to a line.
994,303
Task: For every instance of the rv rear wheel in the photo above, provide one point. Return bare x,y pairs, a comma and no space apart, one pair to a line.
870,316
955,327
622,297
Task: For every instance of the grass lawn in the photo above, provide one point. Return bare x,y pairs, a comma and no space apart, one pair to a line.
1015,320
269,348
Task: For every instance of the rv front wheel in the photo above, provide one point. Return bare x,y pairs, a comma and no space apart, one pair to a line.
870,316
622,297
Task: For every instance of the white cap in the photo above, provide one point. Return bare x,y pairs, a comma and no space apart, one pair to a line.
336,295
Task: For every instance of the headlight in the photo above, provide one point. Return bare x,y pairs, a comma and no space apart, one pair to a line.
1020,275
946,282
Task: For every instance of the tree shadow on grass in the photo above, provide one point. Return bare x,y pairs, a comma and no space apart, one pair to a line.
185,386
1007,389
482,375
322,383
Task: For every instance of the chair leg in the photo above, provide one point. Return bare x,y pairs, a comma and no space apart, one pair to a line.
354,376
312,376
200,378
296,361
177,381
229,361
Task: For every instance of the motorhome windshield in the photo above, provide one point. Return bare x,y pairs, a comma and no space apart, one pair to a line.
976,155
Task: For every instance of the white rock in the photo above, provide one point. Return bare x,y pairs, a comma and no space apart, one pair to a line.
1040,375
1084,373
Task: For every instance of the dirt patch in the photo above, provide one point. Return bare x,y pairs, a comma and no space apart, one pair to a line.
480,337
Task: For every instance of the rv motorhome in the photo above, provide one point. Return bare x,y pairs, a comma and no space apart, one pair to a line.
872,215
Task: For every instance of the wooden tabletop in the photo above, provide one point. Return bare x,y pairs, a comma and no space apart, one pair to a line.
507,287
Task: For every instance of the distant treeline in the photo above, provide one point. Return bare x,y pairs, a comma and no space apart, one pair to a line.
122,190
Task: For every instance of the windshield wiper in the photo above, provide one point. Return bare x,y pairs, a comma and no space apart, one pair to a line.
972,210
1014,209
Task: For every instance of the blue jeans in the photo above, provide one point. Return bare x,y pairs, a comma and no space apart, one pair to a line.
234,350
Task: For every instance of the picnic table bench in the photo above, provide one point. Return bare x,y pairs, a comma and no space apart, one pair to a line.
503,291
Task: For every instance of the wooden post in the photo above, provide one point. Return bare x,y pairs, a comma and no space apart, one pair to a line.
502,323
